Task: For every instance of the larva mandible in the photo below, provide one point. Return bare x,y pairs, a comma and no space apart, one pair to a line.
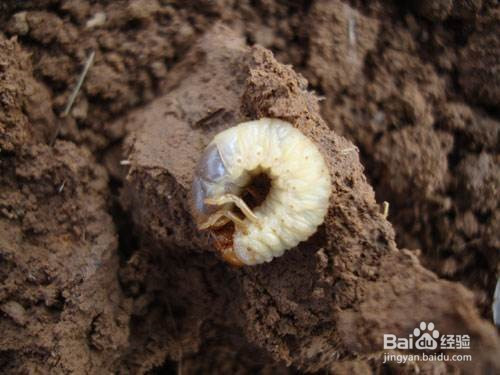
295,205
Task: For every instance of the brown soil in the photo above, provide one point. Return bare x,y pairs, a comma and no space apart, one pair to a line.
101,267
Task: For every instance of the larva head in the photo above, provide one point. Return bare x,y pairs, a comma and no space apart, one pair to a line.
209,171
211,180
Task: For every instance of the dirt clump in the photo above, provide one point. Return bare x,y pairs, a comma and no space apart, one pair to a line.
340,38
60,301
409,168
135,43
479,64
322,302
23,100
414,112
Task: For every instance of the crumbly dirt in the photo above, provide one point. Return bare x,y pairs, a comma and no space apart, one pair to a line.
61,303
101,268
424,112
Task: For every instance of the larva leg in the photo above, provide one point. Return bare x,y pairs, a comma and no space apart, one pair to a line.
237,221
240,203
221,218
218,219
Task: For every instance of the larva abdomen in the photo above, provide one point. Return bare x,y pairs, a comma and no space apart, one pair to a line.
296,203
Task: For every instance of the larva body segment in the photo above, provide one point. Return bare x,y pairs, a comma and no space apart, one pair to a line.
295,205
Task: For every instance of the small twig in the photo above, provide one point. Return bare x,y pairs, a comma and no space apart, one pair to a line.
97,20
78,86
75,92
351,30
61,187
349,149
385,212
125,162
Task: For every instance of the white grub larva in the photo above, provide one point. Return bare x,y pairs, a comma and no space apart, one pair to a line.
295,205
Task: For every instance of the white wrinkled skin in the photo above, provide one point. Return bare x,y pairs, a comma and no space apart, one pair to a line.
300,185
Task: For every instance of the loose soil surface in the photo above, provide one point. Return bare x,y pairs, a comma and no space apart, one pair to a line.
101,267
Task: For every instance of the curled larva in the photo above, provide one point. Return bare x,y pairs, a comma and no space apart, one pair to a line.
296,202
